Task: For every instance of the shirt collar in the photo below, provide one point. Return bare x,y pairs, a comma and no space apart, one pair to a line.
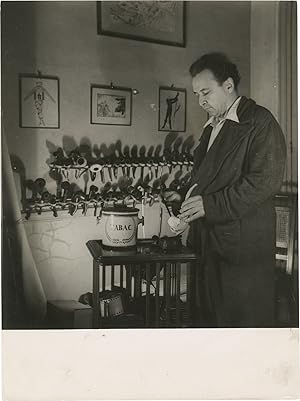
231,115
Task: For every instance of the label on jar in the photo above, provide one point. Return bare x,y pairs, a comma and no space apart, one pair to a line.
120,231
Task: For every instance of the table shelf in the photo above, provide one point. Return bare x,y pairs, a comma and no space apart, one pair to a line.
139,270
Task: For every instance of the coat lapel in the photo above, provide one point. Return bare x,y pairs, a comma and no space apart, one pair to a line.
208,165
201,150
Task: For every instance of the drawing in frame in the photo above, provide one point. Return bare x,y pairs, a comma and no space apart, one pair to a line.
151,21
38,101
172,109
111,105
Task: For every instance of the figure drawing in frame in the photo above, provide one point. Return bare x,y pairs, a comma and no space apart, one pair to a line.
38,101
173,105
40,95
172,109
111,106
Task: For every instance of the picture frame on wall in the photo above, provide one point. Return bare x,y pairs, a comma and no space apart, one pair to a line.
172,109
111,105
150,21
38,101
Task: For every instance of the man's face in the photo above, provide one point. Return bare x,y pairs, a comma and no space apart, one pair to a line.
213,97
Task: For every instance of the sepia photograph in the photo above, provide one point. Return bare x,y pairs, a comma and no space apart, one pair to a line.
157,214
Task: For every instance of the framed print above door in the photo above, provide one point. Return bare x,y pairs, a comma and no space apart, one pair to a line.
150,21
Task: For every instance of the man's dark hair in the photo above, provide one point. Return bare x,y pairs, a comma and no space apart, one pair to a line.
219,64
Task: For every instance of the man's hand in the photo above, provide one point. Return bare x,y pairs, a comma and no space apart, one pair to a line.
171,196
191,209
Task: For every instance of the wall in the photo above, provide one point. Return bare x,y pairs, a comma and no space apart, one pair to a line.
273,56
59,249
264,85
60,39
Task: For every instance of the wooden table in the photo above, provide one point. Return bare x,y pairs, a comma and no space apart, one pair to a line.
147,260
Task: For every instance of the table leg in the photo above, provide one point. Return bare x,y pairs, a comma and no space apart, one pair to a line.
96,306
168,292
190,291
157,305
112,276
128,279
178,278
121,276
137,281
148,281
103,278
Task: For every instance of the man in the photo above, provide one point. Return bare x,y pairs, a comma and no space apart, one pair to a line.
238,168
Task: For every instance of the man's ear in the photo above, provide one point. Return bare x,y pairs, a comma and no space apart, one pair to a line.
229,85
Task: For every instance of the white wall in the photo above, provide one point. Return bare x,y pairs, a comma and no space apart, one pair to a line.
59,249
60,39
264,84
273,56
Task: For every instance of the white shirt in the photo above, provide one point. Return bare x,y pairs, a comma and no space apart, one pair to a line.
231,115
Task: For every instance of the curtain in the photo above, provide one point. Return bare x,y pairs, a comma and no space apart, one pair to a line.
288,107
19,273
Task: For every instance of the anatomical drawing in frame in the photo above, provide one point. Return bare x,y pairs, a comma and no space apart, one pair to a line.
39,101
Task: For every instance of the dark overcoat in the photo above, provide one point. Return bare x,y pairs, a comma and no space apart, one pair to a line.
238,177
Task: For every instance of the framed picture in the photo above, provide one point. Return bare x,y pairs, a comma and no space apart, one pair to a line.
151,21
172,109
38,101
111,105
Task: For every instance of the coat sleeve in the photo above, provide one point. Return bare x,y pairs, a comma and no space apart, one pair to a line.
261,179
